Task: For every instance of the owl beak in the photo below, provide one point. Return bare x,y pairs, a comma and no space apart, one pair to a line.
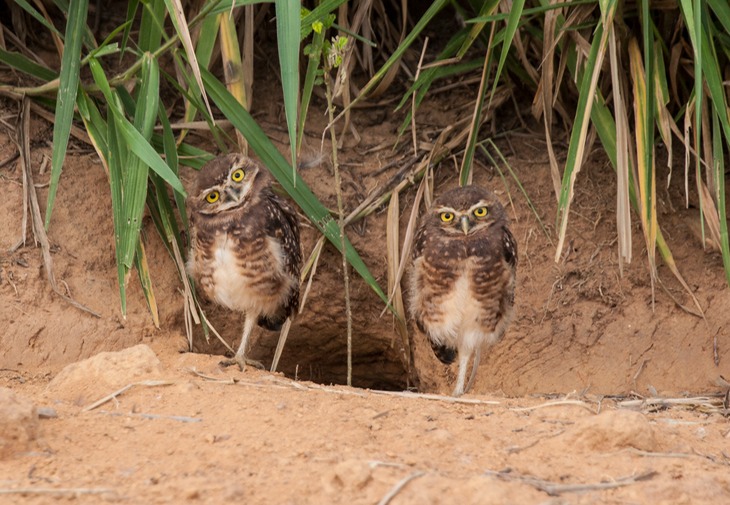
465,224
232,194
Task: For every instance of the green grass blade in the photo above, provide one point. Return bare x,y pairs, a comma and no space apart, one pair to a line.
25,65
95,124
280,169
721,8
314,58
719,169
132,6
486,9
170,148
288,28
68,87
143,271
38,17
150,28
513,22
116,160
580,130
466,164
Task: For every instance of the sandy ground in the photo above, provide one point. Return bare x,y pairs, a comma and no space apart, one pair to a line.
191,432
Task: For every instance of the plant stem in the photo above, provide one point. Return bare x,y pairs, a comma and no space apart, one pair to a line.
341,221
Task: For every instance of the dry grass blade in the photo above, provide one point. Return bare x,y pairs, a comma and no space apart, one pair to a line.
39,230
189,300
706,404
394,266
645,158
408,240
181,26
233,69
310,268
280,344
413,100
215,332
709,212
543,104
623,207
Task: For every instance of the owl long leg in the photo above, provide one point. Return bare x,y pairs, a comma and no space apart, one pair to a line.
463,364
240,357
474,367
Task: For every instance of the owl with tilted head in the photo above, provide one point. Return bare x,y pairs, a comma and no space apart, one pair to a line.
245,251
462,280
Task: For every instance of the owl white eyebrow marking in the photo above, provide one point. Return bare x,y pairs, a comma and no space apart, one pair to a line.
481,203
218,188
445,209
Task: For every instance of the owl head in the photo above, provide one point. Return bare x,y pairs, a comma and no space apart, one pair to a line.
465,211
226,183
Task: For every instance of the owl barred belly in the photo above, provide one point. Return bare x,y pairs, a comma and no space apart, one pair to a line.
244,284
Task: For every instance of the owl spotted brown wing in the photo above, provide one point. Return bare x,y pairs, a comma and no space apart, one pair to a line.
283,226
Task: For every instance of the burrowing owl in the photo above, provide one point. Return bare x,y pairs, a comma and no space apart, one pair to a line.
245,252
463,278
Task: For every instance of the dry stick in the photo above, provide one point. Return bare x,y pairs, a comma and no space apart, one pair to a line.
341,211
413,99
558,403
39,231
554,489
399,486
428,396
700,401
123,390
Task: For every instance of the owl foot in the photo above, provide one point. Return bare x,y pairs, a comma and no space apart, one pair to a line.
242,362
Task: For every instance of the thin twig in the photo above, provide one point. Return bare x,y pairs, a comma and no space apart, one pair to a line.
126,388
341,212
441,398
399,486
554,489
558,403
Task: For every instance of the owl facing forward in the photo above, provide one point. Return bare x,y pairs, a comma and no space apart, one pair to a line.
463,276
245,252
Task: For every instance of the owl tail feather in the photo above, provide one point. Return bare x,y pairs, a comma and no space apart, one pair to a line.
272,323
445,354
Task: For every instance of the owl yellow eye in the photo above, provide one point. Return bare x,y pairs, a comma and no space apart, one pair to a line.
238,175
480,212
447,217
212,197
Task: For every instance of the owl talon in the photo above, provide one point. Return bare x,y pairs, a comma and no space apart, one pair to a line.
242,362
